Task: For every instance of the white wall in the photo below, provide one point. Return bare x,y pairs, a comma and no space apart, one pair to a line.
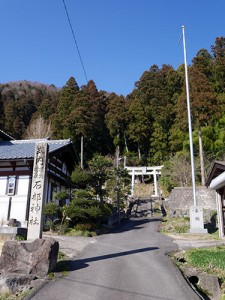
4,206
22,185
19,200
3,185
18,208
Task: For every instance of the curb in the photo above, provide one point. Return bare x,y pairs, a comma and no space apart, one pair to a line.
36,289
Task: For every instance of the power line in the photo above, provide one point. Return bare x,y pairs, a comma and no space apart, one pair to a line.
75,41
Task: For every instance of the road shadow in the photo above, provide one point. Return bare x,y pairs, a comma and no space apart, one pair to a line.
72,265
133,224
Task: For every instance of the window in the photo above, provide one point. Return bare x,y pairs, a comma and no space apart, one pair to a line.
11,185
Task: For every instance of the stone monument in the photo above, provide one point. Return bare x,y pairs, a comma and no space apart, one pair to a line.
35,223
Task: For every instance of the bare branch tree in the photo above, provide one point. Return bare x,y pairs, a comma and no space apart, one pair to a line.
38,128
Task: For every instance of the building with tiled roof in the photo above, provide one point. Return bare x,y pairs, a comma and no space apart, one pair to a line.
16,167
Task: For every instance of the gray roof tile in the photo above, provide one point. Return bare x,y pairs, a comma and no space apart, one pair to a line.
24,149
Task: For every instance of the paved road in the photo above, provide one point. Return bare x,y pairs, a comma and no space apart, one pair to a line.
126,264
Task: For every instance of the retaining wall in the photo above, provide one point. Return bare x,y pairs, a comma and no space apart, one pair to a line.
181,199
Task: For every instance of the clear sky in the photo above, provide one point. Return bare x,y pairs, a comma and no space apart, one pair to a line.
118,39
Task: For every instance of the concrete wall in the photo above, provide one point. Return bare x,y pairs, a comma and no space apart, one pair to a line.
181,199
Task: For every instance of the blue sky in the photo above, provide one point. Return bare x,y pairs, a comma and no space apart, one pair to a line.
118,39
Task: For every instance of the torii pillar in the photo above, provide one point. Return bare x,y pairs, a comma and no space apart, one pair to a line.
155,183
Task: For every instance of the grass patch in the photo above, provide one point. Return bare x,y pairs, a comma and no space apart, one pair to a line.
78,232
175,225
180,226
82,229
15,296
209,260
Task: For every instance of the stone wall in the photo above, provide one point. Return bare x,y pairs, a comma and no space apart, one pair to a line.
181,199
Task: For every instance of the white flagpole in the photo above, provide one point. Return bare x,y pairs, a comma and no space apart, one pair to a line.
196,212
189,120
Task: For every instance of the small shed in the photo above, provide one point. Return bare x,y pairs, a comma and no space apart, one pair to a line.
216,181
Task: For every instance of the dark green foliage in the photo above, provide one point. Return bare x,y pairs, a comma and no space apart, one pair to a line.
20,100
61,197
82,194
100,180
116,118
86,210
81,178
81,114
51,210
218,51
100,168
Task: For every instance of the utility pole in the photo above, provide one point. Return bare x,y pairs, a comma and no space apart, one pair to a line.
82,152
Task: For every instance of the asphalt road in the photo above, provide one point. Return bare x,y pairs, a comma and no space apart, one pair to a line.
129,263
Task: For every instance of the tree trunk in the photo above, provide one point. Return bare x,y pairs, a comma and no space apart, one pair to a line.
201,156
139,152
125,142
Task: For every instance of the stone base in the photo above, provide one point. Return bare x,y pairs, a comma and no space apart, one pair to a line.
198,230
13,231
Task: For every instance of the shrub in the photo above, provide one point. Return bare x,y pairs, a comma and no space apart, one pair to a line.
81,178
82,194
84,211
51,210
61,197
52,213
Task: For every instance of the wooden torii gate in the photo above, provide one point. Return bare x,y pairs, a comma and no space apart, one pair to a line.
133,171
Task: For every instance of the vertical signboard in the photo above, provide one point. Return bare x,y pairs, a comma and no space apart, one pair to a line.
35,222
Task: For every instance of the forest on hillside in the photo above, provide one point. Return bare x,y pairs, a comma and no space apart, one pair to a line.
149,126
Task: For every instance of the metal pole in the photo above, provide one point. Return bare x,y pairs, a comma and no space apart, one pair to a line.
118,183
189,120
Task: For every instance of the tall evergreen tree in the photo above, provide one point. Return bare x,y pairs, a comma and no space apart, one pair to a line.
67,97
138,129
204,62
116,120
218,51
204,107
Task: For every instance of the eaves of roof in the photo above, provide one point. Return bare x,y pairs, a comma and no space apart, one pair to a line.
217,168
24,149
